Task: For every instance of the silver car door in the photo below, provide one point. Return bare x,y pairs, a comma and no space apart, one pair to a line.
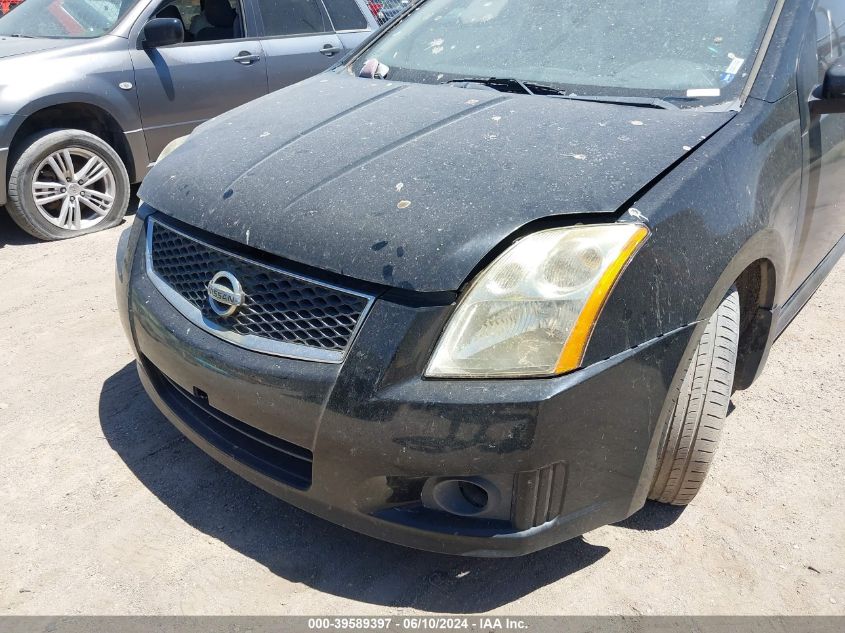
298,39
183,85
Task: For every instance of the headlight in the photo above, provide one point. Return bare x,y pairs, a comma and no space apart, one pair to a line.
171,147
532,311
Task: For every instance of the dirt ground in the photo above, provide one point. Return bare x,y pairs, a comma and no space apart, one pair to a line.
105,509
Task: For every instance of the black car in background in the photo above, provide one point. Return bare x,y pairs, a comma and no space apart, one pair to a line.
491,282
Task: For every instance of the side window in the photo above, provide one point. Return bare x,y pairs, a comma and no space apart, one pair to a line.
185,10
345,15
830,33
292,17
206,20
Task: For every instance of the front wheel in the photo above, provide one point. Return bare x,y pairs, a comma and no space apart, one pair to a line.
67,183
692,435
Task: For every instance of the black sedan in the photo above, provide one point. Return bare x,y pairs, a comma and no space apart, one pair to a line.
491,281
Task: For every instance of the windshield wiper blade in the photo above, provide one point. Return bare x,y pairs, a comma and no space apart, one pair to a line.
638,102
30,37
508,84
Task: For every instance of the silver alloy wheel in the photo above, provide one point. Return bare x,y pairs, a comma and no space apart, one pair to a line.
74,188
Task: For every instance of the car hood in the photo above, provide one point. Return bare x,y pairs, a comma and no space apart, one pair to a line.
14,46
411,185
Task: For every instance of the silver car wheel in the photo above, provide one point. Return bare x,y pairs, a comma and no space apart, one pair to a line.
74,188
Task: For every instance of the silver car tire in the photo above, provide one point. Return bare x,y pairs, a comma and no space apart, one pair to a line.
67,183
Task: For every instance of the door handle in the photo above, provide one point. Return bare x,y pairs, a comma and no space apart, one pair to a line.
330,49
246,58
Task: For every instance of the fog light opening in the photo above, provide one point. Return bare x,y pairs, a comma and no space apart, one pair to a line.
465,497
474,494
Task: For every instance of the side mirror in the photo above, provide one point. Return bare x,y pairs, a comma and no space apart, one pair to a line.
163,32
829,98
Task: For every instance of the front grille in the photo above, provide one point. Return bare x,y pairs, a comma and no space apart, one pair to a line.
260,451
283,313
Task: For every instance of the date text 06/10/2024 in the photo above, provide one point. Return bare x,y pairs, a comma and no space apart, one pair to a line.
416,623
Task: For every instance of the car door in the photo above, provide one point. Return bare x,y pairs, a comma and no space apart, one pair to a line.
353,20
216,69
823,222
298,39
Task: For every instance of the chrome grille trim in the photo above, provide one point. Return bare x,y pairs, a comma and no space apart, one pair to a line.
249,341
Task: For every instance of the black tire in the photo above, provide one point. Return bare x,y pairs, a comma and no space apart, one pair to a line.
692,435
21,203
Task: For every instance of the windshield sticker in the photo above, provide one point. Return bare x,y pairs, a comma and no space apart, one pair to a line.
735,65
704,92
733,69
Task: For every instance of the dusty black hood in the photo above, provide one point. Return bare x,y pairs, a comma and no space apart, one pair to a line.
410,185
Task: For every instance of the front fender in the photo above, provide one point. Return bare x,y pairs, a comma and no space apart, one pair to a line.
732,202
89,73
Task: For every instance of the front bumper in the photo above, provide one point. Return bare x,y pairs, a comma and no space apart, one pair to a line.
356,443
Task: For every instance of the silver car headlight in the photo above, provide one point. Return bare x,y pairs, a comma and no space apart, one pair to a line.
533,310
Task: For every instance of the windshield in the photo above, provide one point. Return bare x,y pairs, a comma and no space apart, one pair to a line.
682,49
64,18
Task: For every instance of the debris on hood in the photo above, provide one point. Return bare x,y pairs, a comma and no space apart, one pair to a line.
374,69
358,162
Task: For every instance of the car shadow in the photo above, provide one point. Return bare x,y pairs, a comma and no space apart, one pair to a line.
653,516
300,547
11,234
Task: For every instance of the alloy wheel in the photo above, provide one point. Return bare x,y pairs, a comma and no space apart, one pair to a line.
74,188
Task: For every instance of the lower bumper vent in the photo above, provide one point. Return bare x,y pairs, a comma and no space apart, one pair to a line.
538,496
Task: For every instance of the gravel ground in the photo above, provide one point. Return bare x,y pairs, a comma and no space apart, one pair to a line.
105,509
